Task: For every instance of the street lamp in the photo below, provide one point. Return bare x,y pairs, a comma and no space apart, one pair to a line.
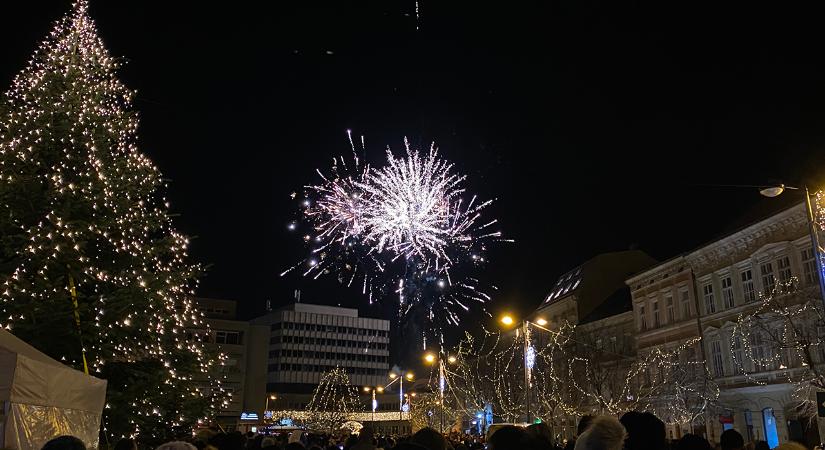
268,398
396,376
529,354
775,191
430,358
374,405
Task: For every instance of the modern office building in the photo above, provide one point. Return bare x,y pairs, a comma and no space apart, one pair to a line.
307,340
244,367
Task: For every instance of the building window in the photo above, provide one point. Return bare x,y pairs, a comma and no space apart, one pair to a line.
760,352
747,286
736,349
685,305
809,266
710,305
784,264
727,292
642,319
768,280
716,355
656,320
671,313
228,337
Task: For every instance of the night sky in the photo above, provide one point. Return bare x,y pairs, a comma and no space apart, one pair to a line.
597,125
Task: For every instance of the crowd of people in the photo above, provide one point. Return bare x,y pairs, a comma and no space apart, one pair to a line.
633,431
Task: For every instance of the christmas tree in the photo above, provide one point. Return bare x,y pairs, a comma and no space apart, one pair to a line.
333,401
91,270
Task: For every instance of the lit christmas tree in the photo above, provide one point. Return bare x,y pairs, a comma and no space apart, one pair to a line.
91,270
333,401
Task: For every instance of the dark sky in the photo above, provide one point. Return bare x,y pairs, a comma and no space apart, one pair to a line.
596,124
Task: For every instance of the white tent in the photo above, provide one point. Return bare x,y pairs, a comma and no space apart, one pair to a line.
43,398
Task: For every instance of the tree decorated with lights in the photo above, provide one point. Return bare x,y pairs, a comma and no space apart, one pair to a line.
91,270
333,401
571,373
785,332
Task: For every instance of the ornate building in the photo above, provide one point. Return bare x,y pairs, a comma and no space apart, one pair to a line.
709,293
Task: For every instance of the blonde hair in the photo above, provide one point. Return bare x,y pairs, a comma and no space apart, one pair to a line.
790,446
604,433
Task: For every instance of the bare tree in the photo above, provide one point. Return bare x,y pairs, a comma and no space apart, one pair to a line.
784,331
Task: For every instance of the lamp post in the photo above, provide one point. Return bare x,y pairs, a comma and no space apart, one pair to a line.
431,358
374,400
775,191
268,398
529,354
397,376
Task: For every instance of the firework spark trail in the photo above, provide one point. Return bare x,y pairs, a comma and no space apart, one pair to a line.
407,216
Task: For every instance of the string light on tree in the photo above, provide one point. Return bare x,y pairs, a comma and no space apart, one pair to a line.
83,222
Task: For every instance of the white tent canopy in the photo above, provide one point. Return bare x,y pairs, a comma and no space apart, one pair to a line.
43,398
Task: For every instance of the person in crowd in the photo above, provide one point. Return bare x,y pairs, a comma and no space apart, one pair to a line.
176,445
430,439
731,440
692,442
761,445
584,422
126,444
644,431
509,438
541,436
365,439
790,446
268,443
350,441
64,443
603,433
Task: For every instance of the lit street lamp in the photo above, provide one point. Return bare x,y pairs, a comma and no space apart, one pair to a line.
775,191
374,405
529,354
430,358
268,398
396,376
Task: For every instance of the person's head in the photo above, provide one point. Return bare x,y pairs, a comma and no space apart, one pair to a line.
731,440
126,444
604,433
176,445
692,442
790,446
429,438
584,422
294,446
64,443
761,445
366,434
644,431
268,442
507,438
540,432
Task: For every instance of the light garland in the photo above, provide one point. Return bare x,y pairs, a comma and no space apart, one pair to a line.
572,376
333,402
784,333
80,205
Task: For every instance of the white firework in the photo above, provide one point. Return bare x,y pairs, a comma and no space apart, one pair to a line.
401,228
415,210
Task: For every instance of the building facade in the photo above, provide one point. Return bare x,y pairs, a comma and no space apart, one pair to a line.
594,299
704,294
243,367
307,340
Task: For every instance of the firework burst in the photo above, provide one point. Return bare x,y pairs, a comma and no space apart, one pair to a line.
401,229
